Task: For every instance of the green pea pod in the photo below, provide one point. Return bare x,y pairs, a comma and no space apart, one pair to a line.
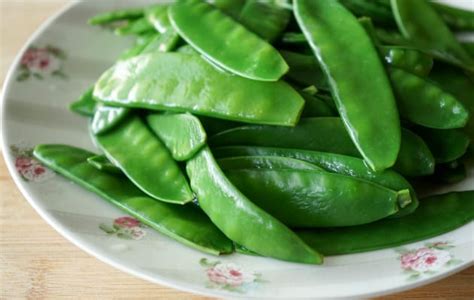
267,19
242,250
305,70
149,81
225,42
379,13
316,107
417,96
408,59
106,117
446,145
100,162
145,161
450,173
265,162
326,134
421,24
213,126
164,42
157,15
306,198
240,219
294,38
435,215
232,8
392,37
138,26
456,18
182,134
138,48
341,164
185,224
117,15
360,88
86,103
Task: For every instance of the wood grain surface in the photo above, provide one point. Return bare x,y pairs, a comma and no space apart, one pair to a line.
37,263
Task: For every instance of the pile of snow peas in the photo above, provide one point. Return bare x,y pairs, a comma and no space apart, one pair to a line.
285,129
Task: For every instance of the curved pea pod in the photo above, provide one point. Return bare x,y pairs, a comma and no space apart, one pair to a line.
306,198
164,42
379,13
335,163
143,158
326,134
435,215
456,18
410,60
265,162
446,145
116,15
267,19
138,26
149,81
316,107
241,220
360,88
185,224
106,117
225,42
157,15
139,46
100,162
417,96
231,8
450,173
305,70
391,37
421,24
86,103
294,38
182,134
213,125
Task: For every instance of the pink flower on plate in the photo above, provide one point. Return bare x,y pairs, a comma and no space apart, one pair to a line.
28,167
40,61
425,259
126,222
125,228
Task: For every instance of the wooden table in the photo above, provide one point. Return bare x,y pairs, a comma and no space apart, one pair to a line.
37,263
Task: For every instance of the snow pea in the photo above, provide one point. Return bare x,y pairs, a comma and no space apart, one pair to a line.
450,173
164,42
316,107
225,42
265,162
456,18
294,38
335,163
180,82
138,26
158,16
420,23
305,70
307,198
241,220
232,8
86,103
360,88
446,145
213,126
416,96
141,156
100,162
435,215
185,224
408,59
106,117
265,18
116,15
182,134
379,13
391,37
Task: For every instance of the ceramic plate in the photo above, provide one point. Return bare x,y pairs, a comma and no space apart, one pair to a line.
65,57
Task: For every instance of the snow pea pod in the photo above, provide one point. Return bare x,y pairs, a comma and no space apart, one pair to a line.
305,70
164,42
182,134
416,96
232,8
138,26
265,18
360,88
456,18
408,59
379,13
145,161
106,117
100,162
335,163
306,198
225,42
446,145
180,82
435,215
316,107
421,24
158,17
116,15
185,224
241,220
86,103
265,162
326,134
294,38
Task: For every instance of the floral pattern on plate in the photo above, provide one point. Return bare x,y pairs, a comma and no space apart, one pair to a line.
427,260
126,227
30,169
42,62
229,276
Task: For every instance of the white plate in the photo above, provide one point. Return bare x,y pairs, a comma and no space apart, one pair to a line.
35,110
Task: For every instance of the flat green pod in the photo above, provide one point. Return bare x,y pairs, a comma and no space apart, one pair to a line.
261,162
106,117
86,103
